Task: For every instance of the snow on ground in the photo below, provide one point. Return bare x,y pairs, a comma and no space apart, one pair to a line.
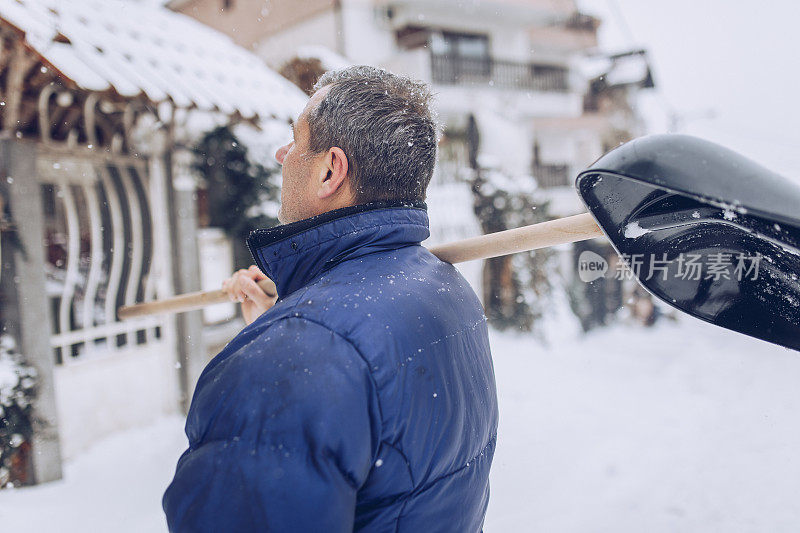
684,427
115,486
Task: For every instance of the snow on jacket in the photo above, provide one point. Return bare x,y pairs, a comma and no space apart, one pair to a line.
363,400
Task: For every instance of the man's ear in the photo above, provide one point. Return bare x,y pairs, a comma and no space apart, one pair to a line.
335,173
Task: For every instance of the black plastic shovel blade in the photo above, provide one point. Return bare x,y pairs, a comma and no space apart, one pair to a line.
704,229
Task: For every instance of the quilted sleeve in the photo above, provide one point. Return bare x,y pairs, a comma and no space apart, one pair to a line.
283,433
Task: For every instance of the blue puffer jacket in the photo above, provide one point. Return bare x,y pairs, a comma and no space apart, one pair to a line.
363,400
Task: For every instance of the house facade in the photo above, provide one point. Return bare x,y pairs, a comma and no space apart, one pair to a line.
527,64
528,73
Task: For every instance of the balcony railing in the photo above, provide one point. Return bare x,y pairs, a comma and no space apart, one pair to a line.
447,70
549,176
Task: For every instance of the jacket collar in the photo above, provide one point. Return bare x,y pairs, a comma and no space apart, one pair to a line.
292,255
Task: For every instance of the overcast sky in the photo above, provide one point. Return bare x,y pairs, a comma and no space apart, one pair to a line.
737,59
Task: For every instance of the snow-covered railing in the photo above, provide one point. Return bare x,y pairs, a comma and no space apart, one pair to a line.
551,175
454,70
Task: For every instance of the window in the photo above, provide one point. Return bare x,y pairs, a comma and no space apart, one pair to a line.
460,45
458,57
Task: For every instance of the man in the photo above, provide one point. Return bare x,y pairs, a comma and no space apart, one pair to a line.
364,399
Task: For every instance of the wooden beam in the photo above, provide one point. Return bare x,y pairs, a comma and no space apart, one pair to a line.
28,110
5,53
58,117
20,63
36,78
61,129
105,124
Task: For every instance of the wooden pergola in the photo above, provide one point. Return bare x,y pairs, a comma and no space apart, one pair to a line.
84,70
100,206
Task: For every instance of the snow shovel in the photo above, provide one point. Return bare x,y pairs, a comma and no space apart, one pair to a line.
662,194
705,230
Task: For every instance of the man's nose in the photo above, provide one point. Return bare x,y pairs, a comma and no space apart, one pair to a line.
281,153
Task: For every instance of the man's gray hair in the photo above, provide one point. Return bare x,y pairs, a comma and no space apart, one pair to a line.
383,123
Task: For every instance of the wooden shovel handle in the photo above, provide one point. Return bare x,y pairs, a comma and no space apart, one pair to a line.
185,302
559,231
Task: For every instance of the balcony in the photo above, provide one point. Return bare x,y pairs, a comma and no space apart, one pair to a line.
549,176
466,71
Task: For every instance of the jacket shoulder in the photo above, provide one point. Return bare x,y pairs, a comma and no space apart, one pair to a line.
290,365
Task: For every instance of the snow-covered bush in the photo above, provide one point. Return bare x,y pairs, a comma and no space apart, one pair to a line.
517,288
18,382
241,193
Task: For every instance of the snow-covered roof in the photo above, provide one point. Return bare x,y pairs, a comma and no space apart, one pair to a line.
141,48
629,68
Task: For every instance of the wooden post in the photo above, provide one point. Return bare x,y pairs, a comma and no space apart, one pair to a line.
19,63
185,259
24,305
161,209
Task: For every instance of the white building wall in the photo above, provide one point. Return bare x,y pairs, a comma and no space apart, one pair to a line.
555,147
279,48
505,143
368,39
524,104
589,148
509,45
415,64
577,149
